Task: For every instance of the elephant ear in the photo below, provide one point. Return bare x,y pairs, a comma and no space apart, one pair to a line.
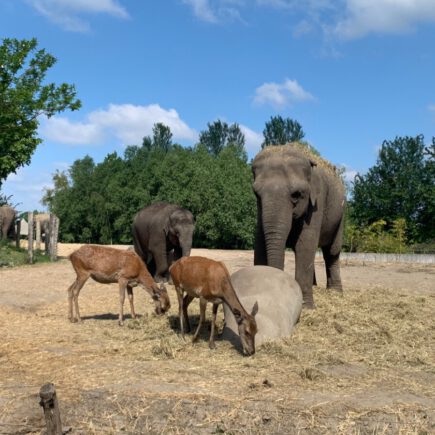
314,191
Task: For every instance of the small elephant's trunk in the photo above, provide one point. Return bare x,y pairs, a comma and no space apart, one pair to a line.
186,247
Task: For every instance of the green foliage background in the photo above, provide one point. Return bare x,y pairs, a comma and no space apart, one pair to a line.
97,202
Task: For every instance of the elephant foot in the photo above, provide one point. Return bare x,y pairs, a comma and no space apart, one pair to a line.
337,288
308,305
212,346
73,320
120,323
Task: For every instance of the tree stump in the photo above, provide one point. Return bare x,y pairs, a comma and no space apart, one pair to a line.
51,409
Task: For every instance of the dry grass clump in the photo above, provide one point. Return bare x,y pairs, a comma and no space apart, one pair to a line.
363,362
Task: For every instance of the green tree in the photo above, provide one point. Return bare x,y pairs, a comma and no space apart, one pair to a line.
97,202
400,185
161,139
220,135
23,98
279,131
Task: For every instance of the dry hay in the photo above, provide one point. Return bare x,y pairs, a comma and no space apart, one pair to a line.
362,363
298,148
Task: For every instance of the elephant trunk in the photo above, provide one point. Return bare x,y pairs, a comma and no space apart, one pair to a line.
185,250
186,245
277,223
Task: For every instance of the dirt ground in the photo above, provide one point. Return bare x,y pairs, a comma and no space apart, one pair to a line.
361,363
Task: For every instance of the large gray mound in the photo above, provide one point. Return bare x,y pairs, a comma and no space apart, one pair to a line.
279,300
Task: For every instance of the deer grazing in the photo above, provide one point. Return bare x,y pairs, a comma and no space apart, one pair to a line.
109,265
210,281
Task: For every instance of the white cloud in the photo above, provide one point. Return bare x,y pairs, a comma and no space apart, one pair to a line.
349,173
27,187
127,123
216,11
203,10
351,19
431,107
280,95
67,13
253,140
383,16
62,130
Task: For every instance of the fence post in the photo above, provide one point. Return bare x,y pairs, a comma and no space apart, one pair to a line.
18,234
51,409
54,230
30,237
38,234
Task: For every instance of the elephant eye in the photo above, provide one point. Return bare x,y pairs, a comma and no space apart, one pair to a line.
296,196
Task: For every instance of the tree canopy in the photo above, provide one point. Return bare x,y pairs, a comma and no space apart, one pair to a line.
220,135
400,185
279,131
23,98
97,202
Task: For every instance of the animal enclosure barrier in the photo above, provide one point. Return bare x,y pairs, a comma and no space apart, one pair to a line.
50,236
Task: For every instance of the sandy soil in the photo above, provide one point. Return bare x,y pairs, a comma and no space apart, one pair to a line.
143,378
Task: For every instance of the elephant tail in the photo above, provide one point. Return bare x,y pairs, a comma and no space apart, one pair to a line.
137,246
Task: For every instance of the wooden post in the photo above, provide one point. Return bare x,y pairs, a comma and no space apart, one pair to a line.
54,230
18,234
51,409
38,234
30,237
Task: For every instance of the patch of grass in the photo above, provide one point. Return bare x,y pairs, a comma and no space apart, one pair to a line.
10,256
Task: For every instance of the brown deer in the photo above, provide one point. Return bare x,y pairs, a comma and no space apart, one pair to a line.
210,281
108,265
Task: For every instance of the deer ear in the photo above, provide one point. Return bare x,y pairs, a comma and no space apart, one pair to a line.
254,309
237,315
156,295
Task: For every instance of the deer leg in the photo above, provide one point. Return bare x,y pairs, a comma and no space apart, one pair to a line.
180,309
186,302
73,295
202,306
211,343
130,299
122,287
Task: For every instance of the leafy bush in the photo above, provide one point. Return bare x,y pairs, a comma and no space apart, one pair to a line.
11,256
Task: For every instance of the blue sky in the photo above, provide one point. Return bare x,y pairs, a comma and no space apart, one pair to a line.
352,72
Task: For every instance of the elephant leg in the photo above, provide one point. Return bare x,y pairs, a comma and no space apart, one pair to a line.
130,299
332,265
161,260
305,251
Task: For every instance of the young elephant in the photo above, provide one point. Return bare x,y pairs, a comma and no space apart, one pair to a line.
162,233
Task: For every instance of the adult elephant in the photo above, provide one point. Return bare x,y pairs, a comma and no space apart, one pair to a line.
300,204
162,233
7,221
44,222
